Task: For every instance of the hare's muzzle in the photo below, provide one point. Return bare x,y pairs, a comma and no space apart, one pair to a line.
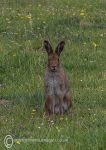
53,68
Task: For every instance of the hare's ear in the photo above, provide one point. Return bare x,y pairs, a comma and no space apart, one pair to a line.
48,47
60,47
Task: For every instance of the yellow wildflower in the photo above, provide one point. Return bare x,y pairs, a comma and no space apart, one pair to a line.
18,142
14,55
66,118
33,113
29,16
53,13
57,128
94,44
19,14
73,14
9,22
82,12
61,118
33,110
39,5
7,19
21,17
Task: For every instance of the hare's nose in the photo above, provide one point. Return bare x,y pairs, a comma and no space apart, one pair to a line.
53,67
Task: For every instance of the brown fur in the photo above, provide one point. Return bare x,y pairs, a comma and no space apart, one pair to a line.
57,95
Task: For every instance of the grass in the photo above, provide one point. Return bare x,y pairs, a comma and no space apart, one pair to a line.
23,27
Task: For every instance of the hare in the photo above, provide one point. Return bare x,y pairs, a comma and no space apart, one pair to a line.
57,95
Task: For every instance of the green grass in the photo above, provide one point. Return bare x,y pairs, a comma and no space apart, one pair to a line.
23,27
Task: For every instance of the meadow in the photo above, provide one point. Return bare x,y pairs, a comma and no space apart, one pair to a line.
24,24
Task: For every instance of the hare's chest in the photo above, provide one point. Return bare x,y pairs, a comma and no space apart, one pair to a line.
54,81
54,85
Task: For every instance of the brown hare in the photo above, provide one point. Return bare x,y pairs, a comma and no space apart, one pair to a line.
57,96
